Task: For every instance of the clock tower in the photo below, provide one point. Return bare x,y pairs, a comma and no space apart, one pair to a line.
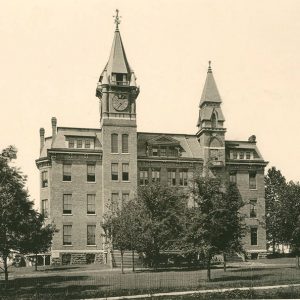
117,92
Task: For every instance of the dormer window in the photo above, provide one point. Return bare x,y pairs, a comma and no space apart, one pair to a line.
154,152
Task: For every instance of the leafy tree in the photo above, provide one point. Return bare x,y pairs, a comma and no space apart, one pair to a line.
275,189
16,210
148,224
214,225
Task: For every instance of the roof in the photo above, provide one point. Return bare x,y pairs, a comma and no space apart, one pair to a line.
117,62
188,143
243,145
210,91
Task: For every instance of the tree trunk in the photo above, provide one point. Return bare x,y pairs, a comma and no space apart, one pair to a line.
298,263
208,269
224,261
5,268
122,264
133,261
36,262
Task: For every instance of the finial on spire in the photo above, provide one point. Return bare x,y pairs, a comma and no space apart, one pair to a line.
117,19
209,67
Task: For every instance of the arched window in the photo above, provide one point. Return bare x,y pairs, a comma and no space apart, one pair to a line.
213,121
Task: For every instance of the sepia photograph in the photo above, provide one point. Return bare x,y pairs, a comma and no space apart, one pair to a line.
149,149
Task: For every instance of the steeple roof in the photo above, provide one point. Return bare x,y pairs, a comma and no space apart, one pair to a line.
210,91
117,62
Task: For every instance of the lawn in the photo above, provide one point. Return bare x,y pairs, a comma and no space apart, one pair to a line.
77,282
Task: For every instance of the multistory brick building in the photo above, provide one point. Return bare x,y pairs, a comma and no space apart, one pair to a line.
82,168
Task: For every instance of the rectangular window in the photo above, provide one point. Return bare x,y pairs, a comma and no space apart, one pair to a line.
91,235
234,155
114,143
144,177
154,152
91,177
155,175
87,144
91,206
163,151
253,236
248,155
67,204
45,208
67,172
232,177
115,200
172,177
183,178
71,143
44,179
114,172
253,203
124,143
125,172
79,143
241,155
67,234
172,151
252,180
125,197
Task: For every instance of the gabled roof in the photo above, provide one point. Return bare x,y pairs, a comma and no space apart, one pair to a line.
210,91
163,140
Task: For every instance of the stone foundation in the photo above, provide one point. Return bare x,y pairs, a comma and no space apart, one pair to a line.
69,258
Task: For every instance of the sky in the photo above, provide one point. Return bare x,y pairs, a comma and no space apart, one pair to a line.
53,51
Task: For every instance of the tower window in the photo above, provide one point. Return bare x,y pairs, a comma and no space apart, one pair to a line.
45,208
67,172
213,121
44,179
252,180
253,203
125,172
114,172
114,143
253,236
124,143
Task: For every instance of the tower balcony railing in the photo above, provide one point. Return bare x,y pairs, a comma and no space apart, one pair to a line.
122,83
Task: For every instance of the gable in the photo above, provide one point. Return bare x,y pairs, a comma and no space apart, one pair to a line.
163,140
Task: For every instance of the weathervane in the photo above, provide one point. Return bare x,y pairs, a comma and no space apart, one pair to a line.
209,66
117,19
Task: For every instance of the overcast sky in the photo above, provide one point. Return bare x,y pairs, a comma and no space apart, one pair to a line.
53,51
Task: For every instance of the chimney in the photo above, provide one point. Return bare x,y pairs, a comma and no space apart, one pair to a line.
54,122
42,139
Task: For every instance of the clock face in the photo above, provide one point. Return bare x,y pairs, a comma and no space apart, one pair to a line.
120,102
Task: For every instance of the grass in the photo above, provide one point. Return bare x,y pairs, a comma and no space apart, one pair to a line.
77,282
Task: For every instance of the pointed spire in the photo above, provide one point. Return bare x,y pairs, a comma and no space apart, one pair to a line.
210,91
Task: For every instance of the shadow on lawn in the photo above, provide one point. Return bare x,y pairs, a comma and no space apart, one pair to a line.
249,269
239,278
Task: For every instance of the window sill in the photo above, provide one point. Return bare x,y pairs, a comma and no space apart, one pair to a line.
68,245
253,189
91,182
67,181
67,214
125,153
126,181
91,214
91,245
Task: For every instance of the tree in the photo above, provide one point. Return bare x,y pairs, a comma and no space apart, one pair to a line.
16,210
275,190
214,225
149,223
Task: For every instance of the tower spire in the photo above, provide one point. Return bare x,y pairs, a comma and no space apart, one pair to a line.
117,19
